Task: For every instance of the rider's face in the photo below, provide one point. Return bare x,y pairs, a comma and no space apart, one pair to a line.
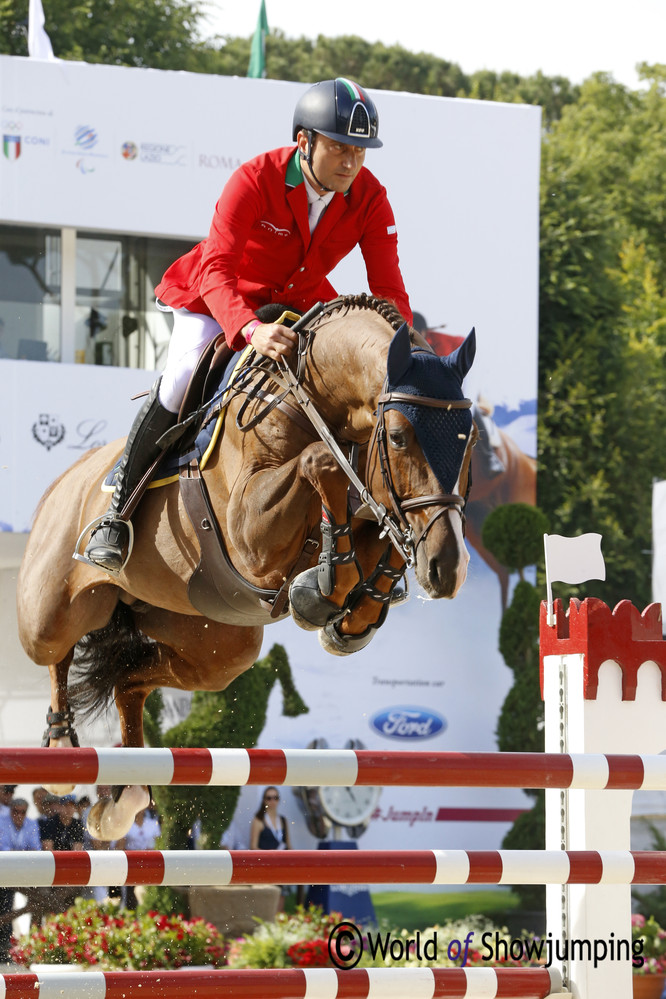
335,164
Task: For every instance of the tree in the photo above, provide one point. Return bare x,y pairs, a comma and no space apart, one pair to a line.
157,33
602,344
513,533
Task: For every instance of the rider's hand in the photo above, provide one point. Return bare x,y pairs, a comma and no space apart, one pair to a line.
273,340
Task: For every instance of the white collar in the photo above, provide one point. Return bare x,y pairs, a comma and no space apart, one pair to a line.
313,196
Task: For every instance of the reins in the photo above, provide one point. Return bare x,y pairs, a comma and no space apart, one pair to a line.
396,527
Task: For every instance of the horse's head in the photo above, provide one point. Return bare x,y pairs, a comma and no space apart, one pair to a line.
423,447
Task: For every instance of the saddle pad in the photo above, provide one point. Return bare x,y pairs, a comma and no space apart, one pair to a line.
204,445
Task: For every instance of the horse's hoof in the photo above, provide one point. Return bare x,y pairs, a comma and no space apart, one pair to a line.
309,608
109,819
59,789
332,641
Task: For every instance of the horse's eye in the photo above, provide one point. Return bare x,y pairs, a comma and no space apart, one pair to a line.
397,439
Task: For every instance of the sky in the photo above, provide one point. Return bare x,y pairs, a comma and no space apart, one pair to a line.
571,38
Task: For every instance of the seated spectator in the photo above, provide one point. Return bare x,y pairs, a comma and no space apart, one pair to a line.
64,831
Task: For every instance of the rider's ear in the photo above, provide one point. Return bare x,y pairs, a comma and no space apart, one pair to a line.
399,357
463,356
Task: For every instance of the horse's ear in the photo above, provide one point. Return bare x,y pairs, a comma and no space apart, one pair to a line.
462,358
399,357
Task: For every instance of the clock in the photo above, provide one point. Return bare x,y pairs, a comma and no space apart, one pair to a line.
333,805
349,806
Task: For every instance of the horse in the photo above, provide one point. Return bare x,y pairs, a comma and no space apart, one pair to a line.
375,389
515,484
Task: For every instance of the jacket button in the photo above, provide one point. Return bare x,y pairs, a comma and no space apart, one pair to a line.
290,286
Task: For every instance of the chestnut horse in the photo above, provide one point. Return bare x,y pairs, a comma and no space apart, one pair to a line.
378,387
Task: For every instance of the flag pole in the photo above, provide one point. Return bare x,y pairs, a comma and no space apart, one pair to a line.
550,616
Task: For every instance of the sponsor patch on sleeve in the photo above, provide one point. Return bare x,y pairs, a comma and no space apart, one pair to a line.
391,230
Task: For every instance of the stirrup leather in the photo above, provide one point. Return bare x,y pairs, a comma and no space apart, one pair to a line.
89,529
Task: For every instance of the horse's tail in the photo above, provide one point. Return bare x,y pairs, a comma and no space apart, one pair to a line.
101,659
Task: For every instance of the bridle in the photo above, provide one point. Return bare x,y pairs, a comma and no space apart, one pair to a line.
446,501
396,527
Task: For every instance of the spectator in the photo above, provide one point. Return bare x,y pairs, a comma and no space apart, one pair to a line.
6,795
17,832
268,830
45,804
63,831
83,806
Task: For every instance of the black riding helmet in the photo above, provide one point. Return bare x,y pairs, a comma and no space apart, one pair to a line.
340,110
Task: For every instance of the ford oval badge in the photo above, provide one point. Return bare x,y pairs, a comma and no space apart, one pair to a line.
408,723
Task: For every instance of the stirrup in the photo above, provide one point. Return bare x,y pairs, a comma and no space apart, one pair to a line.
89,529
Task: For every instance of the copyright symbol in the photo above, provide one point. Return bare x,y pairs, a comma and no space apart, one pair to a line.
345,945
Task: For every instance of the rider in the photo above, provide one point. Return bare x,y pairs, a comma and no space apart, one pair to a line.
283,221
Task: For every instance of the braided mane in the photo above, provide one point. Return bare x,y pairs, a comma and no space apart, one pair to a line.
387,310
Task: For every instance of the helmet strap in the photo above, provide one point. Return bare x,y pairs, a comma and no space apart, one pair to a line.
308,160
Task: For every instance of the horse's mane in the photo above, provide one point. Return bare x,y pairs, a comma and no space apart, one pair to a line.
387,310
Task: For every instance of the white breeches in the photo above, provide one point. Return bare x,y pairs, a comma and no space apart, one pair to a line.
191,335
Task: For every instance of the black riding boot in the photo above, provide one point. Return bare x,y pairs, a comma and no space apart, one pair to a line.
108,547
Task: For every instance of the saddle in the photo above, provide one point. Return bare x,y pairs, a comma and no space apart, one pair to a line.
216,588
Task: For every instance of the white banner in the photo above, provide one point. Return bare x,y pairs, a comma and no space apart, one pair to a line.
49,415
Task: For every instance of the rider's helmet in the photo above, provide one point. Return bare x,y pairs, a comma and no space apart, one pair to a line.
340,110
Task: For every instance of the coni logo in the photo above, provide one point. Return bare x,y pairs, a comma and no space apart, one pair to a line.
408,723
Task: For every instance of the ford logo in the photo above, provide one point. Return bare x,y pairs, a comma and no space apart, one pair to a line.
408,723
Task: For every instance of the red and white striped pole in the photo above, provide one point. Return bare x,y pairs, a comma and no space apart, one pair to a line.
31,868
328,767
288,983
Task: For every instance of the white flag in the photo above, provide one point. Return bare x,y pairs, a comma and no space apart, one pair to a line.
39,43
574,560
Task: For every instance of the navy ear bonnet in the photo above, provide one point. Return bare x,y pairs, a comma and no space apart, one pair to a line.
442,433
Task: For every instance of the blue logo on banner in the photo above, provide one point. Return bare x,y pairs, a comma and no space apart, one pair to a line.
408,723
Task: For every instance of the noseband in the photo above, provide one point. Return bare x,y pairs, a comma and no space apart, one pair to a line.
447,501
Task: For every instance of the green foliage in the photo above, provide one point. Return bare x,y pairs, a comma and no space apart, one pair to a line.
106,937
603,315
158,33
168,34
513,533
529,833
653,902
224,719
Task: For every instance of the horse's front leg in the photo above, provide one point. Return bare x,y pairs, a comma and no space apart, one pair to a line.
59,719
319,595
368,605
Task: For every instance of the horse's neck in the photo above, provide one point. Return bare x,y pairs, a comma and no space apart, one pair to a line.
347,372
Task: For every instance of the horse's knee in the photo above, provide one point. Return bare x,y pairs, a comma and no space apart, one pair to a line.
318,467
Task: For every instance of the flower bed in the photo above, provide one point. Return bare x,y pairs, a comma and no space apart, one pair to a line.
653,939
105,937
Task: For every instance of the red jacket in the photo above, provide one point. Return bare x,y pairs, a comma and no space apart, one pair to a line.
259,248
